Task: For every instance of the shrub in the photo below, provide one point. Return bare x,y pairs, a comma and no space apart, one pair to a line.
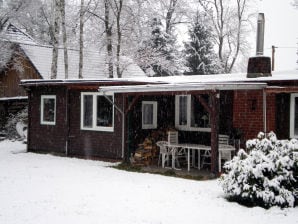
266,176
16,126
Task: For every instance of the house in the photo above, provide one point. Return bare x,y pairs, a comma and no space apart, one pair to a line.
109,118
34,62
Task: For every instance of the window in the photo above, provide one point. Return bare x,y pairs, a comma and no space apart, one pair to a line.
190,115
294,116
149,115
97,112
48,110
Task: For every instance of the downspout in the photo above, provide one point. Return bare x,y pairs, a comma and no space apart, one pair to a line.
123,117
264,111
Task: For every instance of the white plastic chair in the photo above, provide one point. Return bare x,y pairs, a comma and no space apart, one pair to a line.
226,155
174,147
223,141
206,158
164,153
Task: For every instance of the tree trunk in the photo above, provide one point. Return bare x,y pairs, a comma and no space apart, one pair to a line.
55,39
169,16
108,30
81,39
62,9
119,36
240,10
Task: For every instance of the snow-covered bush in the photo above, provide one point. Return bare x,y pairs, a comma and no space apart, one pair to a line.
16,126
266,176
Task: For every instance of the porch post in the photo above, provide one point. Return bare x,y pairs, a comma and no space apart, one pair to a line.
214,131
129,104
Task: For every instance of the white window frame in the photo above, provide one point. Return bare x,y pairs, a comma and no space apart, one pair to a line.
42,98
187,126
94,113
154,123
292,115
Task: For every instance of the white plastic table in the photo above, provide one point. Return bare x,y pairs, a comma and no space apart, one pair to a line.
191,148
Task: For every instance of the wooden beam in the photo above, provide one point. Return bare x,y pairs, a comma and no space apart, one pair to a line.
132,104
203,102
214,131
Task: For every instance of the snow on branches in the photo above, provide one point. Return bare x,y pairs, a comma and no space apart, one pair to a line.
266,176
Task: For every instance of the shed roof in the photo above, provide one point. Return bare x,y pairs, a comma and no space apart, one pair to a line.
95,66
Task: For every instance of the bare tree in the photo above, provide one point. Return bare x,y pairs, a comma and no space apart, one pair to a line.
229,21
55,36
108,31
81,40
62,11
169,15
12,10
118,10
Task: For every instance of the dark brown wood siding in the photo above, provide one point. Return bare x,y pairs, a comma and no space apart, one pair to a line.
67,135
10,79
47,138
93,143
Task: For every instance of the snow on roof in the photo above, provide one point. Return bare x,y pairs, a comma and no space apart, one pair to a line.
14,34
220,78
181,87
13,98
212,80
95,66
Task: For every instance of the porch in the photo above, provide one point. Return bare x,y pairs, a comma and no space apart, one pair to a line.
198,112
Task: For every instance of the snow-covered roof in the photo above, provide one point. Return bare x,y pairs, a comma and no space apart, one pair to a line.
13,98
14,34
238,80
180,87
95,66
220,78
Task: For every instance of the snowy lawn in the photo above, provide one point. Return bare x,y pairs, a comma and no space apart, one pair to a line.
39,189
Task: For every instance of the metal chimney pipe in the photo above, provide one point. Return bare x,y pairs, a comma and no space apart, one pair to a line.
260,34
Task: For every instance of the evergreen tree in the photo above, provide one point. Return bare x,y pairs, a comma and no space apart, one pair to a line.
199,52
158,56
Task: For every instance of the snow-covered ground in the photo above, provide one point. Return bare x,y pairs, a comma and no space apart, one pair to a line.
40,189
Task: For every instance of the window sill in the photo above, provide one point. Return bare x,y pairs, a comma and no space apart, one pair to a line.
103,129
201,129
47,123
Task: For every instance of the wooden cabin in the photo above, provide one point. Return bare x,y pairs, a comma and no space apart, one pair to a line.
108,118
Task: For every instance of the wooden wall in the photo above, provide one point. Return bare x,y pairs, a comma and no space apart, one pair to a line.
53,138
10,79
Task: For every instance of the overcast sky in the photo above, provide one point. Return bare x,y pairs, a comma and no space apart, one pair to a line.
281,30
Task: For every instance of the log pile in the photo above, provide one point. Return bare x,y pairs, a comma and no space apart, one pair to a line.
148,150
145,152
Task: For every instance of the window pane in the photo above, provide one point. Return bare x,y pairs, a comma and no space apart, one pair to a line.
49,110
296,117
88,111
182,110
148,114
104,112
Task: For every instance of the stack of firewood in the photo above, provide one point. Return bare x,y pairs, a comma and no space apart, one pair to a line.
145,152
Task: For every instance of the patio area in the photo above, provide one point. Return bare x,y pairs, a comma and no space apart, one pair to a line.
202,174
